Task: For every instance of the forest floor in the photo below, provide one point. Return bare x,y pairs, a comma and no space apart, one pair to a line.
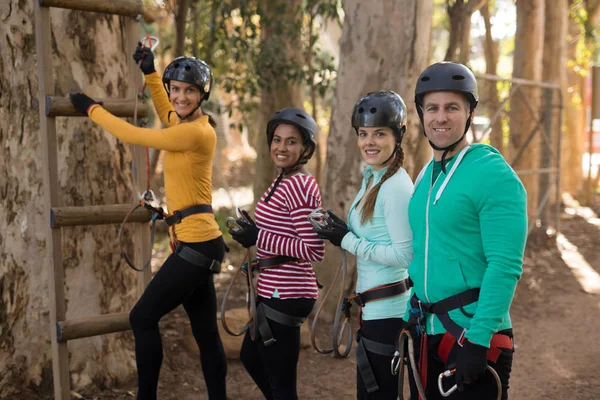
556,324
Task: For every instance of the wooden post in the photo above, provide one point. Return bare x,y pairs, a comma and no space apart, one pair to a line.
92,326
96,215
128,8
49,150
546,157
62,107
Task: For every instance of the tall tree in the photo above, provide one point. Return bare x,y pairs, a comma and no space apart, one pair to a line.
527,64
384,45
279,69
555,70
459,15
89,53
489,96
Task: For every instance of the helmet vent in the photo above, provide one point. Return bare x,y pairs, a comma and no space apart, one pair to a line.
187,67
361,110
425,79
373,110
458,77
300,116
176,65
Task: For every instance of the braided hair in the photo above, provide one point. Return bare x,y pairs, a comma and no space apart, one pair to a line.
368,207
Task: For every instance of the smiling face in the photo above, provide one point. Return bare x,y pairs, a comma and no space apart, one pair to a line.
376,145
287,146
445,116
184,96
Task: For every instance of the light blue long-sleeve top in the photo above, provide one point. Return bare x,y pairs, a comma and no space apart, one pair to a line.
383,245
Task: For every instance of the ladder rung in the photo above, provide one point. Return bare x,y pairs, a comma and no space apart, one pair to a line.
96,215
130,8
62,107
92,326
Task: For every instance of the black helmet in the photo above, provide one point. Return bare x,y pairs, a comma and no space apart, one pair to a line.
447,76
298,118
190,70
381,108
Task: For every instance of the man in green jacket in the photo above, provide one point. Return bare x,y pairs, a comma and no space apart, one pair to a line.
468,215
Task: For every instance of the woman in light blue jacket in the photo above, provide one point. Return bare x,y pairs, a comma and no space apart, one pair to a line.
379,235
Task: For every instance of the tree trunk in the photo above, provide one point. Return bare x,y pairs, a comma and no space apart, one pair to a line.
94,169
384,45
180,21
490,93
459,16
527,64
555,71
281,23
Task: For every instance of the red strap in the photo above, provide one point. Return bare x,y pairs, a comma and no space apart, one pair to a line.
499,341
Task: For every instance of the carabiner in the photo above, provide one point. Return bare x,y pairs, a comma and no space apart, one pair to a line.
154,41
396,362
148,196
446,374
319,218
232,224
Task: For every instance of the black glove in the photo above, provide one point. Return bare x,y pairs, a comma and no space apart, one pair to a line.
247,235
471,363
145,55
335,230
81,102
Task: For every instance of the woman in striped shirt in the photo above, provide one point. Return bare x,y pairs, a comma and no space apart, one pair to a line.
285,248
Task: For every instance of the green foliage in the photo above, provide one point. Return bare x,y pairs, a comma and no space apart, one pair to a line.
227,34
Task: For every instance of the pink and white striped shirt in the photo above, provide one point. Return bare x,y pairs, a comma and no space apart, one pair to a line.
286,231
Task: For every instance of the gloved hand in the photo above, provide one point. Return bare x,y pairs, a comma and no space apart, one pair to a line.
145,55
81,102
471,363
335,230
247,235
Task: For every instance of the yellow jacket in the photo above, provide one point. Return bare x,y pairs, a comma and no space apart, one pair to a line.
189,150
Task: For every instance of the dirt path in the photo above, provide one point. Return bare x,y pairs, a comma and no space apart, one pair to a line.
556,328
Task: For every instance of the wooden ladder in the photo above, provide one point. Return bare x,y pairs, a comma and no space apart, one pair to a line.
61,329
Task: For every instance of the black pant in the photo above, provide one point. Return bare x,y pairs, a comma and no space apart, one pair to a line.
383,331
273,368
485,388
179,282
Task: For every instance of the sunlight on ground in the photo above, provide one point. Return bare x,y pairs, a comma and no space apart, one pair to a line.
588,278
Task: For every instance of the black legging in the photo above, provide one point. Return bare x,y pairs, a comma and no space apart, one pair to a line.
273,368
179,282
382,331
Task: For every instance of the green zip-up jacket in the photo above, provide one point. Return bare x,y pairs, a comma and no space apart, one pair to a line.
469,231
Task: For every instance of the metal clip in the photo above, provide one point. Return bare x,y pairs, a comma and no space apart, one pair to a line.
320,218
148,196
396,362
232,224
446,374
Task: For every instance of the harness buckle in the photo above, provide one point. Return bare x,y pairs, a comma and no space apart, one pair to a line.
176,217
215,266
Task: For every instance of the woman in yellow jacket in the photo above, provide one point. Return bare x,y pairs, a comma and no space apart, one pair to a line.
186,277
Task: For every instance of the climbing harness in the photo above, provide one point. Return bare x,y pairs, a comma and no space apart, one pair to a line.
321,219
454,335
258,314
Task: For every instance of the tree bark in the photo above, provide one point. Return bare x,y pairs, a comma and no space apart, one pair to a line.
180,21
384,45
556,16
459,16
527,64
490,93
94,169
281,48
